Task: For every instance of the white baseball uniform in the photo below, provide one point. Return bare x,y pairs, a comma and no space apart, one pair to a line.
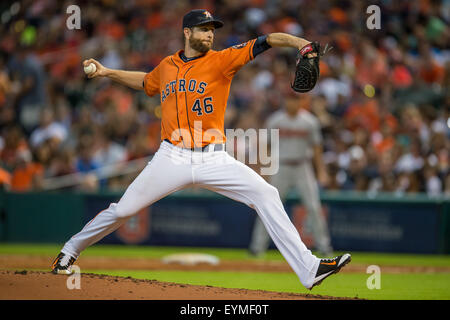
173,168
297,136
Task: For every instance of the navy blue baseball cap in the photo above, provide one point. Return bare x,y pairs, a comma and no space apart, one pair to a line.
198,17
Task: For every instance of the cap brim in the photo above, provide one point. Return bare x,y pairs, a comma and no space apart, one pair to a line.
217,23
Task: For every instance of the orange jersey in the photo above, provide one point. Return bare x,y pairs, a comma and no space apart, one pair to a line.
194,94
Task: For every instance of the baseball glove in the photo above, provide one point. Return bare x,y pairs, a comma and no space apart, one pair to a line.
307,68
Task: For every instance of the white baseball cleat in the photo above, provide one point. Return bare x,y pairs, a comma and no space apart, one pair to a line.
327,267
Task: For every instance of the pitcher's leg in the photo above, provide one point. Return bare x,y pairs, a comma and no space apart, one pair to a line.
103,224
309,192
260,239
242,184
158,179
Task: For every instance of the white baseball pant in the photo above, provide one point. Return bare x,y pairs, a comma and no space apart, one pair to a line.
303,179
173,169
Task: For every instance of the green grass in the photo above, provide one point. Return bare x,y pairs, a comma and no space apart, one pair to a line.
121,251
403,286
406,286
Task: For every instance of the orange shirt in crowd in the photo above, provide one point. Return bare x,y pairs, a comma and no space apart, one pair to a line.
363,115
5,177
385,145
22,178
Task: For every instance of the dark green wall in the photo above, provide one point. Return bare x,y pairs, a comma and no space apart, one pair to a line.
54,217
39,217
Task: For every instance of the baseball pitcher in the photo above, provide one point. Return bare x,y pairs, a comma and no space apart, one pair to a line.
300,144
193,85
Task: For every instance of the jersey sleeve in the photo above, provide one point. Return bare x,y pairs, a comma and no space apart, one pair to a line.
235,57
151,82
260,45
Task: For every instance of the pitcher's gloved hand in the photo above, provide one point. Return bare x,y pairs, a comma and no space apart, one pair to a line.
307,67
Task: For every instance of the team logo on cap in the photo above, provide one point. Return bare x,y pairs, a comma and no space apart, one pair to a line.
207,14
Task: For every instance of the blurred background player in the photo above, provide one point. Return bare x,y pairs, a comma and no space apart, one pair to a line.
300,150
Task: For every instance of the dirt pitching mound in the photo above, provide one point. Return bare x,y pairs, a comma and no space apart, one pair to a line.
26,285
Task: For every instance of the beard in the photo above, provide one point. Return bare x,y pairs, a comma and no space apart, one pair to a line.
199,45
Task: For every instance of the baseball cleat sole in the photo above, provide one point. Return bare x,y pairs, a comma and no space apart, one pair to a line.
345,259
66,272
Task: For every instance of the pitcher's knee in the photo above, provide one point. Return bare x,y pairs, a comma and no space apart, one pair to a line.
121,211
268,191
274,192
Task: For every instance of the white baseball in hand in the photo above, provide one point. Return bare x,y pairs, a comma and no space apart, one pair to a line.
91,68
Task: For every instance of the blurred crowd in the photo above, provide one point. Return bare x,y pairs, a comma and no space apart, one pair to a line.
383,99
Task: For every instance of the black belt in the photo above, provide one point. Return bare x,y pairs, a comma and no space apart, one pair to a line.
217,147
